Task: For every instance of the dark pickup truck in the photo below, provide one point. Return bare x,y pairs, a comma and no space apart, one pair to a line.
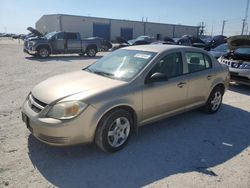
61,43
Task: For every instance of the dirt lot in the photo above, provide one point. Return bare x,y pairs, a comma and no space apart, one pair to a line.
191,150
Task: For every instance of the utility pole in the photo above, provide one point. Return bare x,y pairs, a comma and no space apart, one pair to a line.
223,26
202,28
245,19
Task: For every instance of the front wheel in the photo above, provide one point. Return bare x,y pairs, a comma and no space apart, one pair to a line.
43,52
114,131
214,101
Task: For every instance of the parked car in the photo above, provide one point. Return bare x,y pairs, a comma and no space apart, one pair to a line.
217,40
219,50
141,40
61,43
238,59
121,43
130,87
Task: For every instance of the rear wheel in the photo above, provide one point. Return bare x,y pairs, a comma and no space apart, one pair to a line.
114,131
91,52
214,101
43,52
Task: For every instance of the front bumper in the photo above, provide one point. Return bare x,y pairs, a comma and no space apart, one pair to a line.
237,74
29,51
241,76
61,132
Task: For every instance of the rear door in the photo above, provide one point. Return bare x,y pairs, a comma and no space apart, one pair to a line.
165,97
200,76
73,43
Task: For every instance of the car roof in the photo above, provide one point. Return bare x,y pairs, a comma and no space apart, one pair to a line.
159,48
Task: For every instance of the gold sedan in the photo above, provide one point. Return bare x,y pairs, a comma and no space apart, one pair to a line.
128,88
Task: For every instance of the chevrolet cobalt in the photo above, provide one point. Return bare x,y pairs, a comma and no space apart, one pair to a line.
133,86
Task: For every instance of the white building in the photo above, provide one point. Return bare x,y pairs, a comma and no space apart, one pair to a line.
111,28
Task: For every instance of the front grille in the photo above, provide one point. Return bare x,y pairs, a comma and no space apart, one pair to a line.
35,104
52,139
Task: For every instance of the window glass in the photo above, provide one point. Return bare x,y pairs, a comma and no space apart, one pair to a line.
170,65
70,36
197,61
122,64
60,36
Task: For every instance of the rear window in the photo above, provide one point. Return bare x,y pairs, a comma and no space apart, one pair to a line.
197,61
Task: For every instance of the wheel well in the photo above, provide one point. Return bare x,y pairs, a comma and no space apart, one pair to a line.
92,46
43,46
128,109
221,86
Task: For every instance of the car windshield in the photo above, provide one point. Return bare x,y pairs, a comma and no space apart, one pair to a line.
221,48
121,64
50,35
245,51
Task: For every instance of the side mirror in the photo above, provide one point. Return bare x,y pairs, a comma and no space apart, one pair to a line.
157,77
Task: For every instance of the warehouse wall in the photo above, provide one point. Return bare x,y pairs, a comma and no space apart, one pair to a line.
116,25
180,30
152,29
84,25
48,23
81,24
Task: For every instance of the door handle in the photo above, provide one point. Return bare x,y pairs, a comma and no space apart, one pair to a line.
181,84
209,77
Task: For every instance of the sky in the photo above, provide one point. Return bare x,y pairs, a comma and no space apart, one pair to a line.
17,15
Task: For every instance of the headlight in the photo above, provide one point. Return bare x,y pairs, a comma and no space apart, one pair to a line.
32,43
66,110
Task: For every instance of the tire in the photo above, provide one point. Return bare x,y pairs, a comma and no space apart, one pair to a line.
214,100
43,52
91,51
113,131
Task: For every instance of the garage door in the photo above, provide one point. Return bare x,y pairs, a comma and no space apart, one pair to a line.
101,30
127,33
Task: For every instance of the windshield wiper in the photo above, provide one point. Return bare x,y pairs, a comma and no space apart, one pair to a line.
103,73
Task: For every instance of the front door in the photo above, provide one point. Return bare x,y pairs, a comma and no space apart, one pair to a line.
165,97
58,43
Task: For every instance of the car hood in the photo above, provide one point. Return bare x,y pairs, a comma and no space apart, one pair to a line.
36,38
217,54
34,31
239,41
65,85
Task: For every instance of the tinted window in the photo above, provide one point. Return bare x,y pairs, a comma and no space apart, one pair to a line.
60,36
197,61
171,65
72,36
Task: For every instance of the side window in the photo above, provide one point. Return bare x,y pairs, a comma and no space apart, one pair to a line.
70,36
171,65
197,61
60,36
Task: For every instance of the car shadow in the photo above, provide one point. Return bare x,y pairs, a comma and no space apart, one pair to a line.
66,58
240,88
189,142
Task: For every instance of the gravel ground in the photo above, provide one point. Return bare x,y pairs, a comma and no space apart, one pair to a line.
191,150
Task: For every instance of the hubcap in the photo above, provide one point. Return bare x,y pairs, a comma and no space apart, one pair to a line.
44,52
91,52
216,101
118,131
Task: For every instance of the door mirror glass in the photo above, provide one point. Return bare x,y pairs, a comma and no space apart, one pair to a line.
158,77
